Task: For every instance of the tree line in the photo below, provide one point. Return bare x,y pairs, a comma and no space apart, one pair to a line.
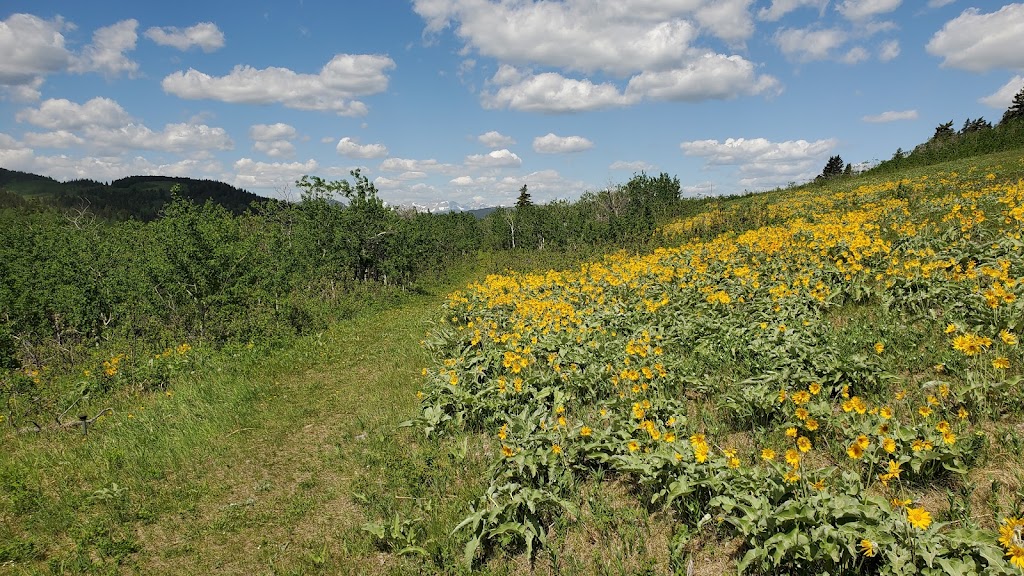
73,282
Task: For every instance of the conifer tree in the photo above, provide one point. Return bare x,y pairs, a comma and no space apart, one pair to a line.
1016,109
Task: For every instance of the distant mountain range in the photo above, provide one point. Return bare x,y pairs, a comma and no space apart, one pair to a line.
142,197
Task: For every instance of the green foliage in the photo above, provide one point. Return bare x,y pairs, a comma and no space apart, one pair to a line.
1016,109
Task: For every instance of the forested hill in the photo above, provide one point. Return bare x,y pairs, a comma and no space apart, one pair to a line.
138,197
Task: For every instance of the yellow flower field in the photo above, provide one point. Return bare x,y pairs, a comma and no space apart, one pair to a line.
807,382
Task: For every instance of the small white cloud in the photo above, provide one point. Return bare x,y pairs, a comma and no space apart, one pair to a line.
249,173
106,53
780,8
277,131
495,139
889,50
552,92
855,55
859,10
1002,98
553,144
634,166
410,165
349,147
495,159
805,45
939,3
980,42
709,77
275,148
63,114
205,35
891,116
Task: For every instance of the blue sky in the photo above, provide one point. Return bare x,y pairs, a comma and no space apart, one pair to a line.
464,101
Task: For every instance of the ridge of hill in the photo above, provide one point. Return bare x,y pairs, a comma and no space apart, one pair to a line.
134,197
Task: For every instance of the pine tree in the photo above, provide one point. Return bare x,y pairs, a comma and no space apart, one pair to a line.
834,167
524,198
1016,109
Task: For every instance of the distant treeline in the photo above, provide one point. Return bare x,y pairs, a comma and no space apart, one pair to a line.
72,281
138,197
976,137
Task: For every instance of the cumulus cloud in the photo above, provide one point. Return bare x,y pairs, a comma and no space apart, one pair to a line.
710,77
495,159
1002,98
634,166
106,53
544,186
55,139
274,140
761,162
553,144
410,165
581,35
859,10
891,116
349,147
805,45
652,44
552,92
889,50
979,42
495,139
855,55
103,123
32,47
205,35
345,77
780,8
248,173
63,114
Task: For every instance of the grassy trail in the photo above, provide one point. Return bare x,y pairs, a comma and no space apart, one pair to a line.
248,472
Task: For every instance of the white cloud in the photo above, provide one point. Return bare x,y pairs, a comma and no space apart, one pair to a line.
865,9
544,186
31,48
495,159
349,147
106,53
634,166
181,138
345,77
780,8
939,3
980,42
277,131
205,35
410,165
762,163
495,139
62,114
274,139
889,50
1002,98
855,55
552,92
728,19
712,76
553,144
581,35
805,45
891,116
56,139
249,173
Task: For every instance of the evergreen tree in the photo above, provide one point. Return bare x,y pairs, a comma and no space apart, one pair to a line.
944,131
524,198
834,167
1016,109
